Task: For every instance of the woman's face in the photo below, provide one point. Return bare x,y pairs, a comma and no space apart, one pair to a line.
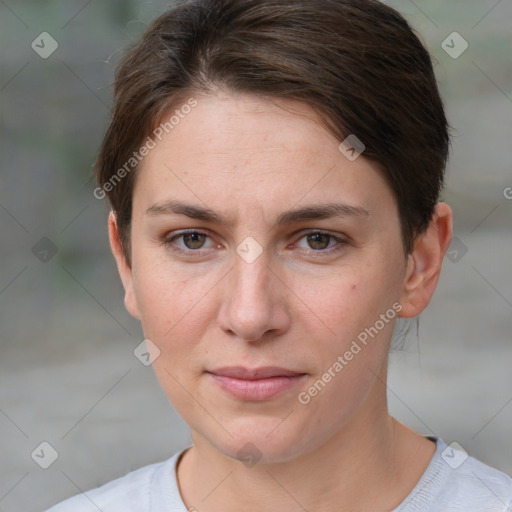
292,252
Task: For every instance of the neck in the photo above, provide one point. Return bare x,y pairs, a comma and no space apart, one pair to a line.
371,464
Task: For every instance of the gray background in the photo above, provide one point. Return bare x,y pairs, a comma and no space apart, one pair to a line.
68,375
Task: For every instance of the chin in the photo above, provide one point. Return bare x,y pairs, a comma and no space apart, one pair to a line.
260,442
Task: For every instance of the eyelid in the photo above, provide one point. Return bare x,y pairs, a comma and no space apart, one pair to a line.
341,242
309,231
169,238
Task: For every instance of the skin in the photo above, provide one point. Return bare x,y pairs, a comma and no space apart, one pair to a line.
297,306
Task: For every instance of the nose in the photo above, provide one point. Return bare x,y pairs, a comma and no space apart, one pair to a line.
255,301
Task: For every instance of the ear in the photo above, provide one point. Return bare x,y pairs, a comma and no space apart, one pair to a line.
425,262
123,267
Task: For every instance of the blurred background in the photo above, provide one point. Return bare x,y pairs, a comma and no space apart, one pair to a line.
68,374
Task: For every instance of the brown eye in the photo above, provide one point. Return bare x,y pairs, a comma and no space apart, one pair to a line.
194,240
318,241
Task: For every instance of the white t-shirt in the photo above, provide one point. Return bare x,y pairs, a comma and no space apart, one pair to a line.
452,482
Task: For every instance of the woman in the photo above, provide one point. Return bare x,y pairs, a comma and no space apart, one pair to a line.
273,170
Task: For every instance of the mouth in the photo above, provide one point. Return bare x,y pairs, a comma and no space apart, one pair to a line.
255,384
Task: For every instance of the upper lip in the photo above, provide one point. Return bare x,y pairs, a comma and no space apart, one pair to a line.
239,372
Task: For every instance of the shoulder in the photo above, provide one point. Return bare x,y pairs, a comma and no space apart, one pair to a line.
455,482
132,492
479,487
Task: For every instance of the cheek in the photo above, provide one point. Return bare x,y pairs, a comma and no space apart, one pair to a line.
346,308
330,302
345,300
352,352
174,307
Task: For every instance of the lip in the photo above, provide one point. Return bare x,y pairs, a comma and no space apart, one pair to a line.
255,384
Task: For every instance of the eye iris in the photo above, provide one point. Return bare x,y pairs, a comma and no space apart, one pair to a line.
318,241
194,240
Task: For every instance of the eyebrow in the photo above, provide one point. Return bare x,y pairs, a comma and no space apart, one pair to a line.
322,211
312,212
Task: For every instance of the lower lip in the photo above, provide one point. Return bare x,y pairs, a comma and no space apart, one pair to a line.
260,389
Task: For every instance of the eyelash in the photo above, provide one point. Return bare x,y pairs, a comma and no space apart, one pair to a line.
168,243
341,243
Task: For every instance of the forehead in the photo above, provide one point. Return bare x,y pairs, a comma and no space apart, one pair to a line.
233,127
238,152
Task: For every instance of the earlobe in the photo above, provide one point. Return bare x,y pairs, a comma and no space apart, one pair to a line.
125,271
425,262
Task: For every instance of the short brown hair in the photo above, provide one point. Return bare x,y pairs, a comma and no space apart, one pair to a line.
356,62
